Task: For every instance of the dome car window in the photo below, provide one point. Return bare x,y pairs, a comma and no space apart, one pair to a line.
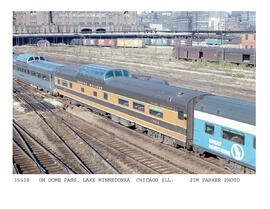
118,73
109,75
126,73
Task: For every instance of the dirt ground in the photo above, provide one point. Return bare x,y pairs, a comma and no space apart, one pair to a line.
223,79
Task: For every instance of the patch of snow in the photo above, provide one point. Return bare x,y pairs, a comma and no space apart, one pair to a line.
17,106
53,102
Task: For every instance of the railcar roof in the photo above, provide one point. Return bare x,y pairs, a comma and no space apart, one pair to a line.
231,108
47,66
25,57
235,50
99,71
168,94
67,70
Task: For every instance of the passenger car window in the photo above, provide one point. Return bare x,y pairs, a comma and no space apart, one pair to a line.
138,106
105,96
209,129
156,112
58,81
64,83
233,136
123,101
181,115
95,93
70,85
82,89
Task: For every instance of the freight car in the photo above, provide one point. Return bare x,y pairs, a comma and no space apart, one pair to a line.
160,42
106,42
240,56
181,42
216,54
177,116
130,43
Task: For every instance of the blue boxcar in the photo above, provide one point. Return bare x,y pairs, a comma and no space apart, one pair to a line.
226,127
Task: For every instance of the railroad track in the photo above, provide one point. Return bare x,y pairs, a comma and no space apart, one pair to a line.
134,156
43,160
77,154
128,148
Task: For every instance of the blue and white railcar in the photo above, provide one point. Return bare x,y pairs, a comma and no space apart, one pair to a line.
226,127
34,69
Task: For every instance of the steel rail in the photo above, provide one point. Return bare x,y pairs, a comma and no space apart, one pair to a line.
15,167
27,155
63,121
54,132
44,148
30,151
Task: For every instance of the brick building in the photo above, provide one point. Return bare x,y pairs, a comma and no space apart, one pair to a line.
248,41
74,22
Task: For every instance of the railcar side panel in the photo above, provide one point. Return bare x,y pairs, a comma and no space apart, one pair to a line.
169,124
227,138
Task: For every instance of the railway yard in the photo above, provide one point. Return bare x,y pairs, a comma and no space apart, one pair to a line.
52,135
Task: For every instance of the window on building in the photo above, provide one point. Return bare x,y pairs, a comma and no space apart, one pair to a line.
105,96
95,93
233,136
64,83
209,129
180,115
138,106
246,36
156,112
123,101
82,89
70,85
